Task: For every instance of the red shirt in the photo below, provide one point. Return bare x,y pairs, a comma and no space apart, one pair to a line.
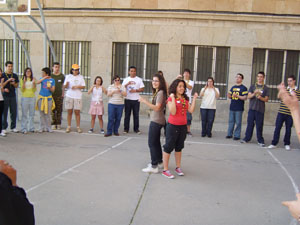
182,106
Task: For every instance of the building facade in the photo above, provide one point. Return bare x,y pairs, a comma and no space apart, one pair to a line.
218,38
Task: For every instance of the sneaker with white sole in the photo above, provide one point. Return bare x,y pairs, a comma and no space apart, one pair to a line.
168,174
179,172
2,134
150,169
287,147
261,145
91,131
272,146
14,130
53,127
4,131
58,127
102,131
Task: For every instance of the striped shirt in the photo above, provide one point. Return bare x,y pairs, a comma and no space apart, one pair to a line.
283,108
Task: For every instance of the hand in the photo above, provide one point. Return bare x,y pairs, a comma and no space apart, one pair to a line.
234,95
141,99
291,101
2,80
6,90
74,87
294,206
132,91
180,77
195,95
172,96
9,171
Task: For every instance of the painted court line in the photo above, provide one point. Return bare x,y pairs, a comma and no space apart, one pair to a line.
296,189
76,166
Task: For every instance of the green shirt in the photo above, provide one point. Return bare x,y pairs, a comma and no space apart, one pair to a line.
59,81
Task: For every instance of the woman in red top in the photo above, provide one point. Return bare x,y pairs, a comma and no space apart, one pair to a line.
178,104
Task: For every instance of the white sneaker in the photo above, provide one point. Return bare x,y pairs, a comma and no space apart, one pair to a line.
2,134
53,127
14,130
272,146
287,147
4,131
150,169
58,127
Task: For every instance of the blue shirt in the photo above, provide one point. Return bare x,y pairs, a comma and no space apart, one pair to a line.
45,92
236,103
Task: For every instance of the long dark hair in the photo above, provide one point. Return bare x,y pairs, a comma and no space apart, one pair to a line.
173,88
162,84
100,79
24,74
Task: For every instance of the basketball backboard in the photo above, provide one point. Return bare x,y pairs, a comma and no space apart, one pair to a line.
15,7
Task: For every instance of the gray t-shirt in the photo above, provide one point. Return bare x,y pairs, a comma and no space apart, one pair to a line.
159,116
255,103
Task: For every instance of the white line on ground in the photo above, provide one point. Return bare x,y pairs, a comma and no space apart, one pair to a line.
296,189
76,166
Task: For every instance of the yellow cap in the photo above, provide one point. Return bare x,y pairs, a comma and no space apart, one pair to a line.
75,67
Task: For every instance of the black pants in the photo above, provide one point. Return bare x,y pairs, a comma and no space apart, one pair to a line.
175,137
288,120
1,112
11,103
134,106
154,143
207,118
255,118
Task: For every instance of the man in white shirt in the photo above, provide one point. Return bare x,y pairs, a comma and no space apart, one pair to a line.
189,89
134,85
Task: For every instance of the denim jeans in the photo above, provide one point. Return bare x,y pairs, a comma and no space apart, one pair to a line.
258,118
11,103
235,118
114,118
154,143
1,112
288,120
45,119
207,119
28,107
134,106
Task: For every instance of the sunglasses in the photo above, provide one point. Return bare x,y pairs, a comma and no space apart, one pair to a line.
117,80
76,69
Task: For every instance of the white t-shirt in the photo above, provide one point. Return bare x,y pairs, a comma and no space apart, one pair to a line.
209,100
97,94
189,92
137,84
74,81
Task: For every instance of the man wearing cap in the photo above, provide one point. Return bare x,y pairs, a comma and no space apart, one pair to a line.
74,83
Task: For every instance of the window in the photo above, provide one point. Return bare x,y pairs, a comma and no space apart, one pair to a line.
73,52
143,56
207,61
278,65
6,54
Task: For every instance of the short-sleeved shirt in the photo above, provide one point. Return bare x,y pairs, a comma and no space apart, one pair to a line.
209,100
137,84
189,91
9,86
255,103
29,91
159,116
179,118
116,98
45,92
237,104
74,81
283,108
59,81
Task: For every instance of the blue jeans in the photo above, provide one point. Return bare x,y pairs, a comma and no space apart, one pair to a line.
235,118
11,103
114,118
28,106
134,106
207,119
288,120
258,118
154,143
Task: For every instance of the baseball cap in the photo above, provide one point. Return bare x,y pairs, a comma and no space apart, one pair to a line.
75,67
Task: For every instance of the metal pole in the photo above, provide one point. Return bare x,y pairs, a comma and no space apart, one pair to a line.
45,31
14,44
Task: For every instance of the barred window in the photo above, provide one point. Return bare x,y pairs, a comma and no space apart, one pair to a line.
204,62
278,65
141,55
6,54
73,52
